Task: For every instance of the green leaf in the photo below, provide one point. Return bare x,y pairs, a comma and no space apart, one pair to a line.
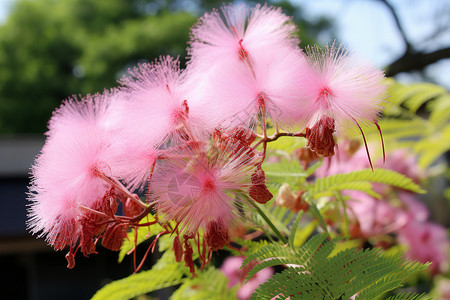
294,228
358,180
166,272
321,273
408,296
210,284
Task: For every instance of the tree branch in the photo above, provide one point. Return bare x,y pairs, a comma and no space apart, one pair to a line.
398,24
416,61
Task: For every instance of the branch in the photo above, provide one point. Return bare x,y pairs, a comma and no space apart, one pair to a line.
416,61
398,24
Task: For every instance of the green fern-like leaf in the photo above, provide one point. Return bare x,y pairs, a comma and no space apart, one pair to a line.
408,296
402,127
320,275
166,272
277,254
359,180
209,284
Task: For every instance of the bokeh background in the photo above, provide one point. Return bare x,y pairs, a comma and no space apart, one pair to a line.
51,49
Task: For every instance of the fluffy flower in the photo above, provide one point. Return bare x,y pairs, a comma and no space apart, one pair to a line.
427,242
343,94
65,174
375,216
238,32
152,109
231,267
200,186
247,68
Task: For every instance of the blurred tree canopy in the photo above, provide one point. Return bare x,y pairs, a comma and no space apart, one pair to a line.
51,49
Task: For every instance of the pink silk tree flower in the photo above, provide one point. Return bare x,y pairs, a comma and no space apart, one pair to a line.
249,68
66,173
200,187
152,110
427,242
344,94
154,103
375,216
231,267
239,31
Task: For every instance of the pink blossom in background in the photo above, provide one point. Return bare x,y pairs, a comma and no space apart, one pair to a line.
244,68
375,216
64,174
231,267
427,242
415,209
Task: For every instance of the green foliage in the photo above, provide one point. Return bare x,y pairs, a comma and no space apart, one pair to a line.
320,275
210,284
166,272
50,50
408,296
418,117
360,180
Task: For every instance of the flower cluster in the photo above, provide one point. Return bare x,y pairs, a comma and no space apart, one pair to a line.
190,136
399,216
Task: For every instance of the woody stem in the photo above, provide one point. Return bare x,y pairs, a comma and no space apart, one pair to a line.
276,136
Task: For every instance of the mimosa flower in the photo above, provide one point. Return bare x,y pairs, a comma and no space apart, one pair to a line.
344,95
201,187
65,174
249,62
152,110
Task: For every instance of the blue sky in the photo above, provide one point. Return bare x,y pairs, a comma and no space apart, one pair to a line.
367,29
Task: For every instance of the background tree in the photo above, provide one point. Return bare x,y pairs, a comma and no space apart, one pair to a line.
50,49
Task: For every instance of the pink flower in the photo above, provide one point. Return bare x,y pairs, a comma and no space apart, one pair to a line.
200,185
152,110
375,216
231,267
65,175
154,101
342,95
238,32
427,242
245,69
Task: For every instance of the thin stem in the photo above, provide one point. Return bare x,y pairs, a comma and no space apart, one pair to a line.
382,141
264,216
344,207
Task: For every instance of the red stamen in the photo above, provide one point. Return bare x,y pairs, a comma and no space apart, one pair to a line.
243,54
365,144
382,141
135,247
